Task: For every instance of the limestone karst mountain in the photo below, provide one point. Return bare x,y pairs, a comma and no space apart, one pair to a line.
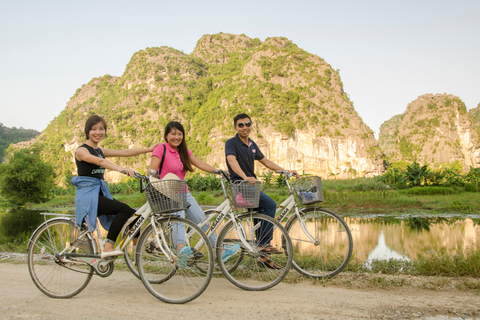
302,117
474,115
434,130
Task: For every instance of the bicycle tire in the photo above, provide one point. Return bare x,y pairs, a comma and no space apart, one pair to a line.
166,279
249,273
333,246
217,270
53,273
129,255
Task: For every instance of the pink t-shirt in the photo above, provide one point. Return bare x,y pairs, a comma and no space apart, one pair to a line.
172,163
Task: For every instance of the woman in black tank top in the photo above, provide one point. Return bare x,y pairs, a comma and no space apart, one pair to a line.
91,162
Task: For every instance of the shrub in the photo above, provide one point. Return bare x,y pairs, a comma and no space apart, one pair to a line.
203,183
472,187
429,190
26,178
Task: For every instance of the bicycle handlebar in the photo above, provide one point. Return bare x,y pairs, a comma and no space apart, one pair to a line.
144,179
223,174
286,173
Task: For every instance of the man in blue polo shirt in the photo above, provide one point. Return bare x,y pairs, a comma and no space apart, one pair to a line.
241,153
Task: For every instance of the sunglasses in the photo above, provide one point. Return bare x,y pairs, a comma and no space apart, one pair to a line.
241,124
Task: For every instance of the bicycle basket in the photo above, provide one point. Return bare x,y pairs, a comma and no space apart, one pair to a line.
309,190
166,196
245,193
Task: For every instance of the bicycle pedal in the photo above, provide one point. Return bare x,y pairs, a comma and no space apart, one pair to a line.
151,248
197,255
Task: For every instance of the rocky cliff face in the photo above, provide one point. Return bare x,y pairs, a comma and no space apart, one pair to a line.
302,118
474,115
435,129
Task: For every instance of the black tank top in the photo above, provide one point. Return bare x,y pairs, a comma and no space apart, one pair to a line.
87,169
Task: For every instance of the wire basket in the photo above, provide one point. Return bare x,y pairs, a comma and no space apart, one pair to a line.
166,196
309,190
245,193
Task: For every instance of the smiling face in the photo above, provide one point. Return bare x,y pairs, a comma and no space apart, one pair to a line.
243,127
96,132
174,138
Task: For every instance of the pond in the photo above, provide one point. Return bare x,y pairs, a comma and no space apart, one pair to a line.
17,224
374,237
408,237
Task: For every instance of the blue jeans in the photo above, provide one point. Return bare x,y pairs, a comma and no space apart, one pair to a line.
194,214
267,207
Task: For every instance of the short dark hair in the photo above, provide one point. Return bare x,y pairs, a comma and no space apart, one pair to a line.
91,121
240,116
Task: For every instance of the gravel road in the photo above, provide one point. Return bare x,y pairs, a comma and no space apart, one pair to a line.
122,296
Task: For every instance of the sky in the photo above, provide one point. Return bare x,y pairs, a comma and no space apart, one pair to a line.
387,52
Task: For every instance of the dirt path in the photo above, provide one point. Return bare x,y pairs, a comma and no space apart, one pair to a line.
121,296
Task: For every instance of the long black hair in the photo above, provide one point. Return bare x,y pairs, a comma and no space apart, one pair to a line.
182,148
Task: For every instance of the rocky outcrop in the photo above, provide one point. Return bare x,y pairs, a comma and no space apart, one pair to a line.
434,130
303,119
474,115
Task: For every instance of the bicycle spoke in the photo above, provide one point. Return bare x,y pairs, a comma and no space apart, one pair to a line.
331,248
54,277
249,268
166,274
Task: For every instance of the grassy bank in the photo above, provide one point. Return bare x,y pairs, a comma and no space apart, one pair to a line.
353,196
347,197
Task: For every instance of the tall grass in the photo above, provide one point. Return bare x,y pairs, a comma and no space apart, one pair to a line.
460,265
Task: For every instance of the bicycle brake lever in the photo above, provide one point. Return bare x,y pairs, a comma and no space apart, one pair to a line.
225,175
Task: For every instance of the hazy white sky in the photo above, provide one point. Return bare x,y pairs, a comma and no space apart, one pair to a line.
388,52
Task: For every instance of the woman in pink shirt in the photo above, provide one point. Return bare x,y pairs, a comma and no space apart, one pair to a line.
179,159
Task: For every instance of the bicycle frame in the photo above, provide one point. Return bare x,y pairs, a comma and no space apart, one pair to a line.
222,211
63,257
144,214
286,207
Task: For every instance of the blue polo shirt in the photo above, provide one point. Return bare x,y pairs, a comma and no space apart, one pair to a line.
246,156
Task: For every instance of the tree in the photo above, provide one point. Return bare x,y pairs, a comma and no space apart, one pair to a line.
26,178
394,177
417,174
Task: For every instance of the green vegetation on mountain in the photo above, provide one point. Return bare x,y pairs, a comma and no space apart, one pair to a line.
14,135
282,87
434,130
474,114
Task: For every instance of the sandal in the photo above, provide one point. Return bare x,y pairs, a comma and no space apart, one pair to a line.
266,262
269,249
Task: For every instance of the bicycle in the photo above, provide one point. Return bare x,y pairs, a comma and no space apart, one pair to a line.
63,257
247,268
321,239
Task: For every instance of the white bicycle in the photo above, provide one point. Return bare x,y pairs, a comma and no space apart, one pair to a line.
62,257
253,267
321,239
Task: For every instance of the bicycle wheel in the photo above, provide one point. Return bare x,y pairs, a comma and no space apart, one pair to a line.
53,273
256,270
331,249
129,251
229,242
171,279
129,255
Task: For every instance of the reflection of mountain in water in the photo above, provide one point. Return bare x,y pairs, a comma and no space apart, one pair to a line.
450,236
383,252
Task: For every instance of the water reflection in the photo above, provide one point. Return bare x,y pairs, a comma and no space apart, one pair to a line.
17,224
383,252
415,236
379,237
